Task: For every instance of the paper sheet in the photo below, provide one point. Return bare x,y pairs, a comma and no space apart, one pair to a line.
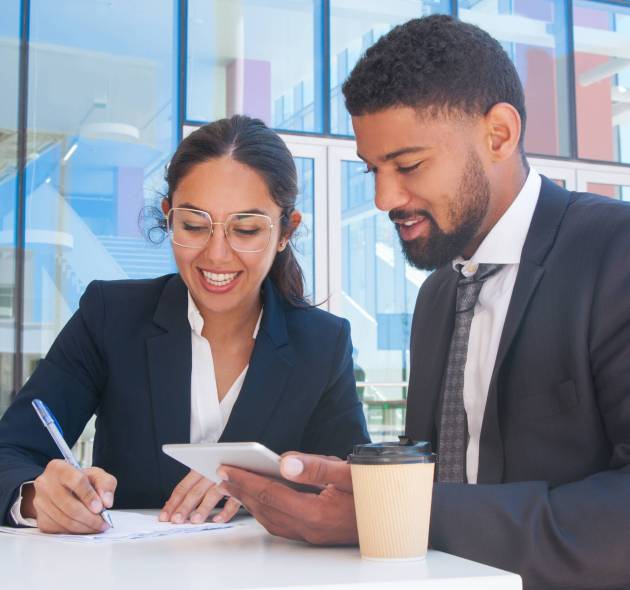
128,526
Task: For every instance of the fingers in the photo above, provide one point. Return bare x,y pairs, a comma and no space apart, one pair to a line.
177,496
277,523
324,518
65,501
208,502
104,484
273,520
229,510
77,482
300,520
255,491
314,469
52,519
193,497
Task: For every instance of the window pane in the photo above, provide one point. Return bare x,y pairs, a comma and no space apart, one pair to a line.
379,294
354,26
305,239
102,119
9,71
533,33
615,191
602,80
254,57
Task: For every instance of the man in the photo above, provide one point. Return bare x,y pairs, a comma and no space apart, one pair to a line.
521,339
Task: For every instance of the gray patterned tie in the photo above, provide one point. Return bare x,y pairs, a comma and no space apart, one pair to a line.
453,424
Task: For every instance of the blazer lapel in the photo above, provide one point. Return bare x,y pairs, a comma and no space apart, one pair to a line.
548,215
267,375
170,361
431,333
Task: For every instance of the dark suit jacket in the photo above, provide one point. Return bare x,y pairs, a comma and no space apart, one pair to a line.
126,356
553,498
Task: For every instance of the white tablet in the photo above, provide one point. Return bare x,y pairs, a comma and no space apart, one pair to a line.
205,458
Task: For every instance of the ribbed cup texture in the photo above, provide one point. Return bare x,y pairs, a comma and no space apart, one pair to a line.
393,506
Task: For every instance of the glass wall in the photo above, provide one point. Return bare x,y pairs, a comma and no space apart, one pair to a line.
354,26
103,119
615,191
379,293
102,124
258,57
9,68
304,239
602,80
534,34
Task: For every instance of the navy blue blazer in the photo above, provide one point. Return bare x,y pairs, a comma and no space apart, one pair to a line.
552,500
126,356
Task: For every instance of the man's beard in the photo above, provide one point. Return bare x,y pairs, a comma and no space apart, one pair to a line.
468,209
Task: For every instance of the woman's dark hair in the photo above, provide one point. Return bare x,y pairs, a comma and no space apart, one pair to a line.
250,142
436,63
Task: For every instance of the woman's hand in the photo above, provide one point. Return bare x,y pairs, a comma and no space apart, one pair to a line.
64,499
194,498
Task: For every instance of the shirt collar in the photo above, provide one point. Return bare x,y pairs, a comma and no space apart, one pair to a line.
195,319
504,243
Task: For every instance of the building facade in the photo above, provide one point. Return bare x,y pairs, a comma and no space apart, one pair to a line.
97,94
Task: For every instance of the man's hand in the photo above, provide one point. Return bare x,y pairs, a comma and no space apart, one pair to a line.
194,497
68,500
326,518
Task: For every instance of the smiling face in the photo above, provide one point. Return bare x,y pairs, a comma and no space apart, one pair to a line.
430,178
219,278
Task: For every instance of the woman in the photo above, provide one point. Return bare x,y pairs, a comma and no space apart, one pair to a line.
227,349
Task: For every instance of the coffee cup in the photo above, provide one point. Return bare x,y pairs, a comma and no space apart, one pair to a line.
393,486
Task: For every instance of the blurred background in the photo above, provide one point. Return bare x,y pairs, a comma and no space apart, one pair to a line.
98,93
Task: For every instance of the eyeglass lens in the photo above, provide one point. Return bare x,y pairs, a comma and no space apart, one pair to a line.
245,232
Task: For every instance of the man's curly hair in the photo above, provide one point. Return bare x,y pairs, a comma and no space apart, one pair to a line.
437,64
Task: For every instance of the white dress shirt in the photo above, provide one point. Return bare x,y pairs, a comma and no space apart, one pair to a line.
208,415
503,245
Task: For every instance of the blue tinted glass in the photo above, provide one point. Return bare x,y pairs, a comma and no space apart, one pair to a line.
9,72
602,80
102,121
534,35
379,294
304,239
256,58
354,26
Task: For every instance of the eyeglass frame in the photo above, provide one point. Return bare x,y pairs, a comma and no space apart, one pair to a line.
223,223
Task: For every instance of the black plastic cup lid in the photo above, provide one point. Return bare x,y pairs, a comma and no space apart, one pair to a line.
392,453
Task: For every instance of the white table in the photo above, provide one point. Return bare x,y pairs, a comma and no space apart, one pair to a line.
243,557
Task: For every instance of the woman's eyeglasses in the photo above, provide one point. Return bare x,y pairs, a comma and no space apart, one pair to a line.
245,232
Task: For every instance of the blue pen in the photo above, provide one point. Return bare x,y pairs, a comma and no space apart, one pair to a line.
51,424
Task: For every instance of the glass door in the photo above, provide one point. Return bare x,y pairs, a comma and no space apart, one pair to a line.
374,288
311,238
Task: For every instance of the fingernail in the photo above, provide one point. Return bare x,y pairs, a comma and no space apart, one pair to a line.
163,516
217,518
222,474
292,466
196,518
96,506
177,518
104,527
108,499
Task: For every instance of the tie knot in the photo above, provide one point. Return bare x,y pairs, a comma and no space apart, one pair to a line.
471,278
477,272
